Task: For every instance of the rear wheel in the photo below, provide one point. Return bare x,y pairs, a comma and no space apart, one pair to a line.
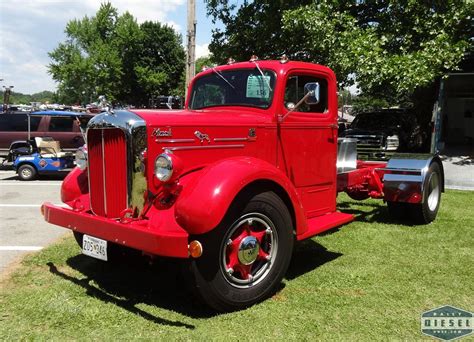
247,255
426,212
26,172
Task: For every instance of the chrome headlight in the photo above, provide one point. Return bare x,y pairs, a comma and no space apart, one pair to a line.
392,143
81,158
163,167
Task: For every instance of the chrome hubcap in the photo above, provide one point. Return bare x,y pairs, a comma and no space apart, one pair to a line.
433,190
248,250
26,173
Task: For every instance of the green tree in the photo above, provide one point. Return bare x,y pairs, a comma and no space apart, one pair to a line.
395,50
112,55
251,28
389,46
201,62
20,98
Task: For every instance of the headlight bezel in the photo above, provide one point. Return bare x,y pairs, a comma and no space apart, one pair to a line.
167,169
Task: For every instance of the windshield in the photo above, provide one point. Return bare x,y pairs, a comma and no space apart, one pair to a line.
241,87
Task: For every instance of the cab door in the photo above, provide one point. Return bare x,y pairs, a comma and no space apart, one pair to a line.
308,141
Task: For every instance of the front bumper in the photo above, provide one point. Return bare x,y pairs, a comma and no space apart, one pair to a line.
158,235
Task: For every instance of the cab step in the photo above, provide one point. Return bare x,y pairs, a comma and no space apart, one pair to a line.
317,225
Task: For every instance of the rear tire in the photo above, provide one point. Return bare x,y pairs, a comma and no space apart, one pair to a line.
358,195
27,172
426,212
246,256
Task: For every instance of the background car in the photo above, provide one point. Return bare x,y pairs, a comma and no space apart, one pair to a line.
381,133
14,127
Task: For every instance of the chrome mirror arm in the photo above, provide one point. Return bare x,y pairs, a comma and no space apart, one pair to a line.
282,118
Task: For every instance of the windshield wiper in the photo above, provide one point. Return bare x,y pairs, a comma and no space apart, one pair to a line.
263,75
221,76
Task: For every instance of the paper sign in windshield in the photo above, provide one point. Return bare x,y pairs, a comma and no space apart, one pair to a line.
257,87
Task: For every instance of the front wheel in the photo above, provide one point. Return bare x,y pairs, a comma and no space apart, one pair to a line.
26,172
246,256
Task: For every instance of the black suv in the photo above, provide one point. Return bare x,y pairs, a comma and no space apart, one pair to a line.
381,133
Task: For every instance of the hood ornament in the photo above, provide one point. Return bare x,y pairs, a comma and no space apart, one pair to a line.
105,105
202,136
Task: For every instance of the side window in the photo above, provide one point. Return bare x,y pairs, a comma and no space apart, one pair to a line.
294,92
60,124
18,123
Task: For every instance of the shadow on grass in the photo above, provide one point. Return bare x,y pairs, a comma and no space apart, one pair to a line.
130,283
373,213
133,280
308,255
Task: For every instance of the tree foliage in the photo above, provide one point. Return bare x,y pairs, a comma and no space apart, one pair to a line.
112,55
391,48
20,98
254,27
201,62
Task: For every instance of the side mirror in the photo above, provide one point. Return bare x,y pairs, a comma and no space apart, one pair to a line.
313,90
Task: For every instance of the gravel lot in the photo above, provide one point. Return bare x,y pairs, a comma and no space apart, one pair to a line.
22,228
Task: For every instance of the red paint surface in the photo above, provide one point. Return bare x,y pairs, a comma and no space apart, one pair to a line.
161,236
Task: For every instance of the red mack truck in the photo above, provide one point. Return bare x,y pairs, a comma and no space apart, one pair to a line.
250,166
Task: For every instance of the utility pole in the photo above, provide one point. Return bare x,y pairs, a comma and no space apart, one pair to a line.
191,45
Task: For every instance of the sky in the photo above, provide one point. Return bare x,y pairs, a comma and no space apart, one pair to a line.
29,29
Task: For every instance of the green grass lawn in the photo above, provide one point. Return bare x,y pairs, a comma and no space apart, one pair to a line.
371,279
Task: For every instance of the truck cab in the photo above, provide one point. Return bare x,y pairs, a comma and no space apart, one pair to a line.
232,181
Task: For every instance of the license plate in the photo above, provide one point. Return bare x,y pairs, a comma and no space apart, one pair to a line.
94,247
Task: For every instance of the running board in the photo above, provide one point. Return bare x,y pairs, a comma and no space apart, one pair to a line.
317,225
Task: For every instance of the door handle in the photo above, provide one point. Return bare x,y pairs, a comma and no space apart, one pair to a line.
334,129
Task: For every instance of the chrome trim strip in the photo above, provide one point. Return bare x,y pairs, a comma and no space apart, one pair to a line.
230,139
173,141
103,171
210,147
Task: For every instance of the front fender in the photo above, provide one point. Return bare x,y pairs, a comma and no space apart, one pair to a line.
207,195
75,189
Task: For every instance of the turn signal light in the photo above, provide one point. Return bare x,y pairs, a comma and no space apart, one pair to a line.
42,210
195,249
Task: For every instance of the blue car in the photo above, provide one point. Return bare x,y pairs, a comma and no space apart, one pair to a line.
42,155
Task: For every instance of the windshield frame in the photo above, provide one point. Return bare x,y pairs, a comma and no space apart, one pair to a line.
223,72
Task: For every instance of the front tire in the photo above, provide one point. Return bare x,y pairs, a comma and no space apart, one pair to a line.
247,255
27,172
